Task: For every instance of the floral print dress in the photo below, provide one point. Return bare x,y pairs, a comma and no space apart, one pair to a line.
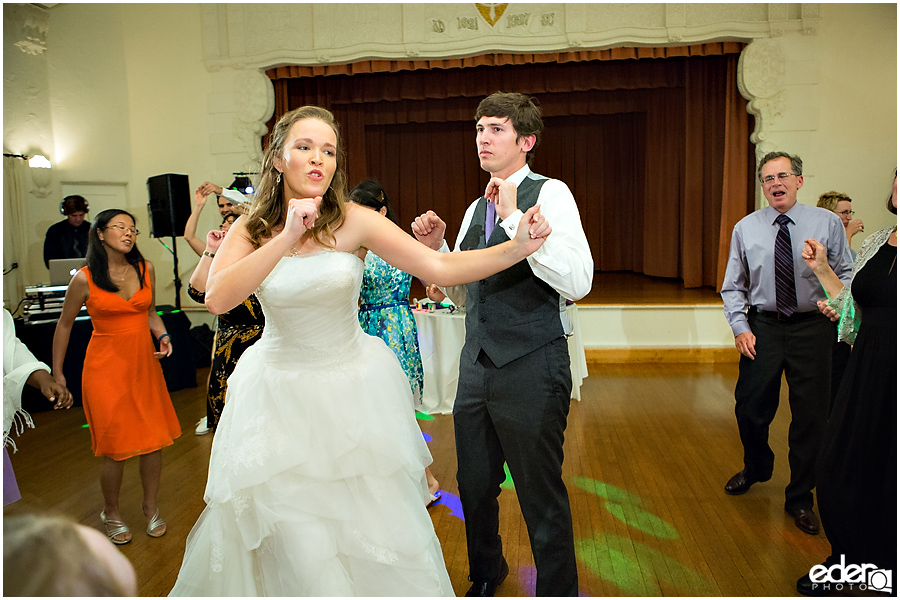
237,330
384,312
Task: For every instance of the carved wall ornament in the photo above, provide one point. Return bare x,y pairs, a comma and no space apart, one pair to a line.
761,69
35,41
809,18
31,46
263,35
470,23
517,20
761,81
491,11
254,105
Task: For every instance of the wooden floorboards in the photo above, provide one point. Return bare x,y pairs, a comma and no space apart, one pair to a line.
648,450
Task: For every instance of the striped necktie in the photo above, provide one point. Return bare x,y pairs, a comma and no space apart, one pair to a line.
785,292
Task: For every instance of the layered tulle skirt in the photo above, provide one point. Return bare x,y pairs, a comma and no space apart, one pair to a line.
316,482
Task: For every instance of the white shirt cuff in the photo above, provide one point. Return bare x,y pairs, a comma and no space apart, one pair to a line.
511,223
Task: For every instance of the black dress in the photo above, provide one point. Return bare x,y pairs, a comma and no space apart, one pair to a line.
237,330
857,467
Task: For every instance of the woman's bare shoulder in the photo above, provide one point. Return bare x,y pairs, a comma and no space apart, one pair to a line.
349,234
239,233
79,287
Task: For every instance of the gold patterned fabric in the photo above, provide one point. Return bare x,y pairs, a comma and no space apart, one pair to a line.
237,330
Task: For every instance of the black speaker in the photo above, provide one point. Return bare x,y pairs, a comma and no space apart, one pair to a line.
170,204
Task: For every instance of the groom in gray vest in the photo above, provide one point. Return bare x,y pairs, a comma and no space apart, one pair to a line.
514,377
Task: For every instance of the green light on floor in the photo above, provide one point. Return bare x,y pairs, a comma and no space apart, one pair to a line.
642,520
638,569
85,426
508,482
624,506
605,490
602,556
424,417
171,312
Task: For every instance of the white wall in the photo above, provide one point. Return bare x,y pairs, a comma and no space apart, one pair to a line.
123,93
168,87
841,108
26,95
128,99
648,326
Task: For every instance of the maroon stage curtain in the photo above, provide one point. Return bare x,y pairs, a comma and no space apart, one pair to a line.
656,151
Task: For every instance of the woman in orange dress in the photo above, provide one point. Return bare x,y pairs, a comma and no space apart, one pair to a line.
123,390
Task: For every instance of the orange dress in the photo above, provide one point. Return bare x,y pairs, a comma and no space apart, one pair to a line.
125,399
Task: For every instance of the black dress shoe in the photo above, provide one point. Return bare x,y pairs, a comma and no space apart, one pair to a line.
740,483
805,520
487,587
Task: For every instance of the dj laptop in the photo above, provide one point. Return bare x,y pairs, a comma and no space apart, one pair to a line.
62,270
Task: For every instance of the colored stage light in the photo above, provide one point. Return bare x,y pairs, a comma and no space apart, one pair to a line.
452,502
627,563
605,490
508,483
642,520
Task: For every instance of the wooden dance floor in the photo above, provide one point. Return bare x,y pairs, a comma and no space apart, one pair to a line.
648,450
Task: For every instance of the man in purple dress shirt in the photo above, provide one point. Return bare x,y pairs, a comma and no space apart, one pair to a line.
770,300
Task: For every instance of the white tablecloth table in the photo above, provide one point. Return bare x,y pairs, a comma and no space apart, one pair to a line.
441,338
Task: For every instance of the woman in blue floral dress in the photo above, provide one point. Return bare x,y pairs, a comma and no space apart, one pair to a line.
384,305
384,312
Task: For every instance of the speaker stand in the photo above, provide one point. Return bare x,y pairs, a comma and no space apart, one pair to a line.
176,280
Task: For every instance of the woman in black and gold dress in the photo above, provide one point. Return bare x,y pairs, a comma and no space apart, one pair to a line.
237,330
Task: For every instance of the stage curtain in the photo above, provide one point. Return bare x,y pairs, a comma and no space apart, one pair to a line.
655,150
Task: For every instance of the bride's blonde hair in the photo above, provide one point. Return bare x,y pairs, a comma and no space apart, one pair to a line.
269,208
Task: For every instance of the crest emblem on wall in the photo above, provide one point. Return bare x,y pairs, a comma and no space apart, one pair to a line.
492,11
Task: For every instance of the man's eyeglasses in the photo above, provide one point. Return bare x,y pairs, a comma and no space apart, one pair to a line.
782,177
120,227
845,213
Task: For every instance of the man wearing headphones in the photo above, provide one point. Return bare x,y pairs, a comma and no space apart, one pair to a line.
69,237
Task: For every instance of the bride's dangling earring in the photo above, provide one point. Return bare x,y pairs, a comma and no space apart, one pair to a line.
278,178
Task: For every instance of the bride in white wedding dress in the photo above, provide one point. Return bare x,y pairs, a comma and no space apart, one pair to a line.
316,478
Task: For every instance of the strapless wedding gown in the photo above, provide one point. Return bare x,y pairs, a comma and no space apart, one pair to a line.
316,479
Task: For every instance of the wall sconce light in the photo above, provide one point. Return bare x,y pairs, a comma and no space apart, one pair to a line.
40,173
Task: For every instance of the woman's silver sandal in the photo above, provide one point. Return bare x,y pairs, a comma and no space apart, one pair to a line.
154,523
119,528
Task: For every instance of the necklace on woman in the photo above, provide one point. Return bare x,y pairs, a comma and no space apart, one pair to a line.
122,276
